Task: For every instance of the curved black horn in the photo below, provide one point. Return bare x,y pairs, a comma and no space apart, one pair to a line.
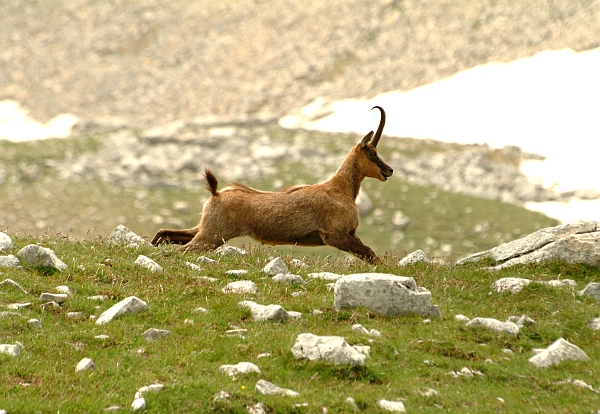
375,140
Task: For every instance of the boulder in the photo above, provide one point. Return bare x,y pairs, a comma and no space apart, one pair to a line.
333,349
573,243
417,256
128,305
35,255
276,266
265,313
558,352
385,294
122,235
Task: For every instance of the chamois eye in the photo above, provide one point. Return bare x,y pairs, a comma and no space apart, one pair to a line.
372,154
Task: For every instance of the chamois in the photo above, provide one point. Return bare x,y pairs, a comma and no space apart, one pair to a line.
306,215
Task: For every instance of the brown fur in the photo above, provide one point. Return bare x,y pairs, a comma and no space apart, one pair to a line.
310,215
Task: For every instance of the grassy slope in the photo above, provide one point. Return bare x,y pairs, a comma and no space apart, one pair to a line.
410,356
33,200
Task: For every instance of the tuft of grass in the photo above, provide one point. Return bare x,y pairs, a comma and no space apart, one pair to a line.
410,356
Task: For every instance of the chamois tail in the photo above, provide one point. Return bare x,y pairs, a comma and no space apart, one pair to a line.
211,182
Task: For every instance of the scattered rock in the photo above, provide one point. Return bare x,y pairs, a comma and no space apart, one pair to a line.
10,261
85,364
128,305
521,321
265,313
200,310
461,318
221,396
10,282
294,315
139,404
34,255
394,406
206,278
64,289
276,266
361,329
288,279
573,243
333,349
225,250
35,322
17,306
258,408
153,334
515,284
417,256
267,388
324,275
592,289
148,388
385,294
75,315
240,287
560,351
5,242
12,350
237,272
122,235
465,372
429,392
205,260
298,263
595,324
193,266
148,263
494,325
97,297
53,297
239,369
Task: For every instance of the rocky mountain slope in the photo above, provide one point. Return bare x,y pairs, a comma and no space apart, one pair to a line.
154,62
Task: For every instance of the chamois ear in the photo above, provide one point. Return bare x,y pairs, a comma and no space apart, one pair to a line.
366,139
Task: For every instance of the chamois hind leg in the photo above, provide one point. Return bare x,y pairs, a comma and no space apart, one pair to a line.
350,243
174,236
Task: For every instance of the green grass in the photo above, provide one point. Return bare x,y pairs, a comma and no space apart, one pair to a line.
411,356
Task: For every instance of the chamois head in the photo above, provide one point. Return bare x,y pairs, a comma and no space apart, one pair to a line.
373,166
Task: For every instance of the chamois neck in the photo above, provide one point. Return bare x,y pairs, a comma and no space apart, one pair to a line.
348,177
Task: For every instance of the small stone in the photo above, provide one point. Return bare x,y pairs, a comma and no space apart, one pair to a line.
258,408
200,310
494,325
560,351
9,261
75,315
35,322
230,250
122,235
64,289
148,388
324,275
394,406
288,279
510,284
193,266
12,350
205,278
294,315
461,318
299,293
237,272
265,313
113,408
429,392
17,306
139,404
241,287
10,282
298,263
153,334
417,256
101,337
236,332
267,388
5,242
148,263
221,396
84,365
522,320
53,297
205,260
35,255
97,297
276,266
128,305
239,369
188,321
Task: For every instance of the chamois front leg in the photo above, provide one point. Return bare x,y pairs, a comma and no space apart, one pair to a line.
203,242
350,243
174,236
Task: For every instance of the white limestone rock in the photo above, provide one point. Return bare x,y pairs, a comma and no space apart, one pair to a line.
128,305
276,266
227,250
148,263
288,279
494,325
461,318
205,260
53,297
325,276
139,404
560,351
10,261
241,287
122,235
34,255
268,388
206,278
6,243
333,349
10,349
240,368
35,322
595,324
294,315
258,408
237,272
357,327
393,406
465,372
417,256
64,289
510,284
17,306
592,290
265,313
221,396
385,294
153,334
10,282
85,364
156,387
522,320
193,266
75,315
